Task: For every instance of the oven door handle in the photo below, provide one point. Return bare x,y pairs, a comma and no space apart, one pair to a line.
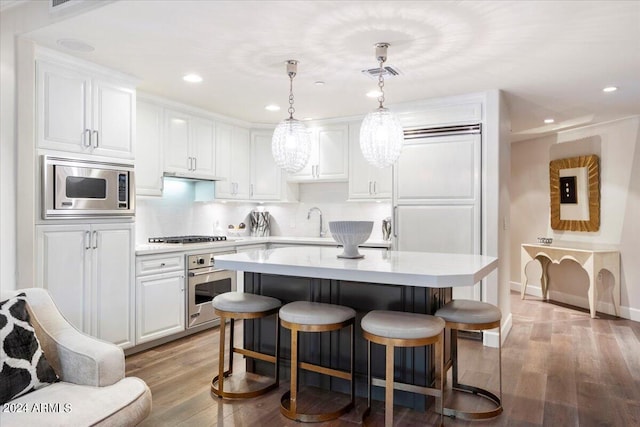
201,273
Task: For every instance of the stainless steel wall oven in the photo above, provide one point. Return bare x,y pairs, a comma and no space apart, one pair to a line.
205,281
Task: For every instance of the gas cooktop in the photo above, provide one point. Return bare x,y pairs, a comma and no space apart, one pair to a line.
187,239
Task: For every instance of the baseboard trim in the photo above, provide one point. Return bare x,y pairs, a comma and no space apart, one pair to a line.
490,338
579,301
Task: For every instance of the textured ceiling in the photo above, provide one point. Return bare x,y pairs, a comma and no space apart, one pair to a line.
552,58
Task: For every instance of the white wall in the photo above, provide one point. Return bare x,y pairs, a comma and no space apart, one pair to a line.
618,145
175,213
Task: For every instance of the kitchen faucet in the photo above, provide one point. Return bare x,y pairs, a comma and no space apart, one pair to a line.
322,232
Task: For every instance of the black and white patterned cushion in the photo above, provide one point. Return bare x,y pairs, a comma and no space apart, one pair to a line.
23,365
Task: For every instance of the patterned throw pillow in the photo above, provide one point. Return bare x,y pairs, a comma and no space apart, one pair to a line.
23,365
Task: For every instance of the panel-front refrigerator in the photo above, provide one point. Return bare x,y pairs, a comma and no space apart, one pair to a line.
437,197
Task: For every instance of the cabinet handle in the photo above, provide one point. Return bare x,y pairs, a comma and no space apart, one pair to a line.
188,163
394,222
369,187
195,163
375,191
95,239
97,141
86,138
251,190
87,240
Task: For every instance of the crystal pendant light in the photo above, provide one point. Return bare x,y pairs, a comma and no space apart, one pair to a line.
381,134
291,143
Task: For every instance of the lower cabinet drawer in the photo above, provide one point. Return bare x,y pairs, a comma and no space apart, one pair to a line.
156,264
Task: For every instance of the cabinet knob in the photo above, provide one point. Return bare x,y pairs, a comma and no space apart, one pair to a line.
162,264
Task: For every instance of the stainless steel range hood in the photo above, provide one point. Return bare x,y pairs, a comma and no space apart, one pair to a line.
193,176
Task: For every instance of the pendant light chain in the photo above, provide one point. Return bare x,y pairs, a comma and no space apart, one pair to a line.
381,83
291,110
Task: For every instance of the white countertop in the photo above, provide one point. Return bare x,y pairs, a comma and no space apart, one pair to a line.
421,269
158,248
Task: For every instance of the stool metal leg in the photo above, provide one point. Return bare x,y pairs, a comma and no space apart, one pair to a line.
388,390
289,400
217,384
231,343
456,385
293,398
221,372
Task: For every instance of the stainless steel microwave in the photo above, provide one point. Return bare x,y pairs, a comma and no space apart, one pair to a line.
73,188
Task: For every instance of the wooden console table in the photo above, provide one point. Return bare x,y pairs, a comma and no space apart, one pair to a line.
592,258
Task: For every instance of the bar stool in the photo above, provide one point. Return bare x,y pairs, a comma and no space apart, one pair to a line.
240,305
400,329
303,316
471,316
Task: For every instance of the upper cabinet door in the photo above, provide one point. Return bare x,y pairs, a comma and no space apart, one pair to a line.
203,148
63,108
265,175
365,181
240,155
232,162
176,147
224,189
333,152
149,149
80,113
113,119
329,160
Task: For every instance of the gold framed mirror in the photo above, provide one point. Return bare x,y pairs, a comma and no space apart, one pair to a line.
575,193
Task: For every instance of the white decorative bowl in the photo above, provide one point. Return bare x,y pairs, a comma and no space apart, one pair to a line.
350,234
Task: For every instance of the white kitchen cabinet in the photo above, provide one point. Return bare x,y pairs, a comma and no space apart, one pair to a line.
149,148
88,269
366,182
266,176
189,145
329,155
160,305
81,113
232,162
160,295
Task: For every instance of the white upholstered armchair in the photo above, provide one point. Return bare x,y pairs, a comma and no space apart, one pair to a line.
92,389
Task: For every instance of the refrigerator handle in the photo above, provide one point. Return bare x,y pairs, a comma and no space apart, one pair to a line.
394,222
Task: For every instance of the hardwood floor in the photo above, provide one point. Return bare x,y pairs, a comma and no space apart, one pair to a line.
560,368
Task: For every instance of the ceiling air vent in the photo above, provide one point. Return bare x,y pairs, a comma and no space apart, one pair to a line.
387,72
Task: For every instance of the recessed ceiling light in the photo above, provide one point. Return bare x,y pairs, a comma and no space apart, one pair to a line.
319,83
192,78
272,107
306,119
549,121
75,45
610,89
374,93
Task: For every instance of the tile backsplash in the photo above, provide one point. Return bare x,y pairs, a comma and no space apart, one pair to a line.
175,213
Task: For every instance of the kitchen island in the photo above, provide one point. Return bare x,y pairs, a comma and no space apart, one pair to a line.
417,282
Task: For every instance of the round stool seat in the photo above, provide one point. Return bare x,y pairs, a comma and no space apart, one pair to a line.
315,313
401,325
240,302
470,312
